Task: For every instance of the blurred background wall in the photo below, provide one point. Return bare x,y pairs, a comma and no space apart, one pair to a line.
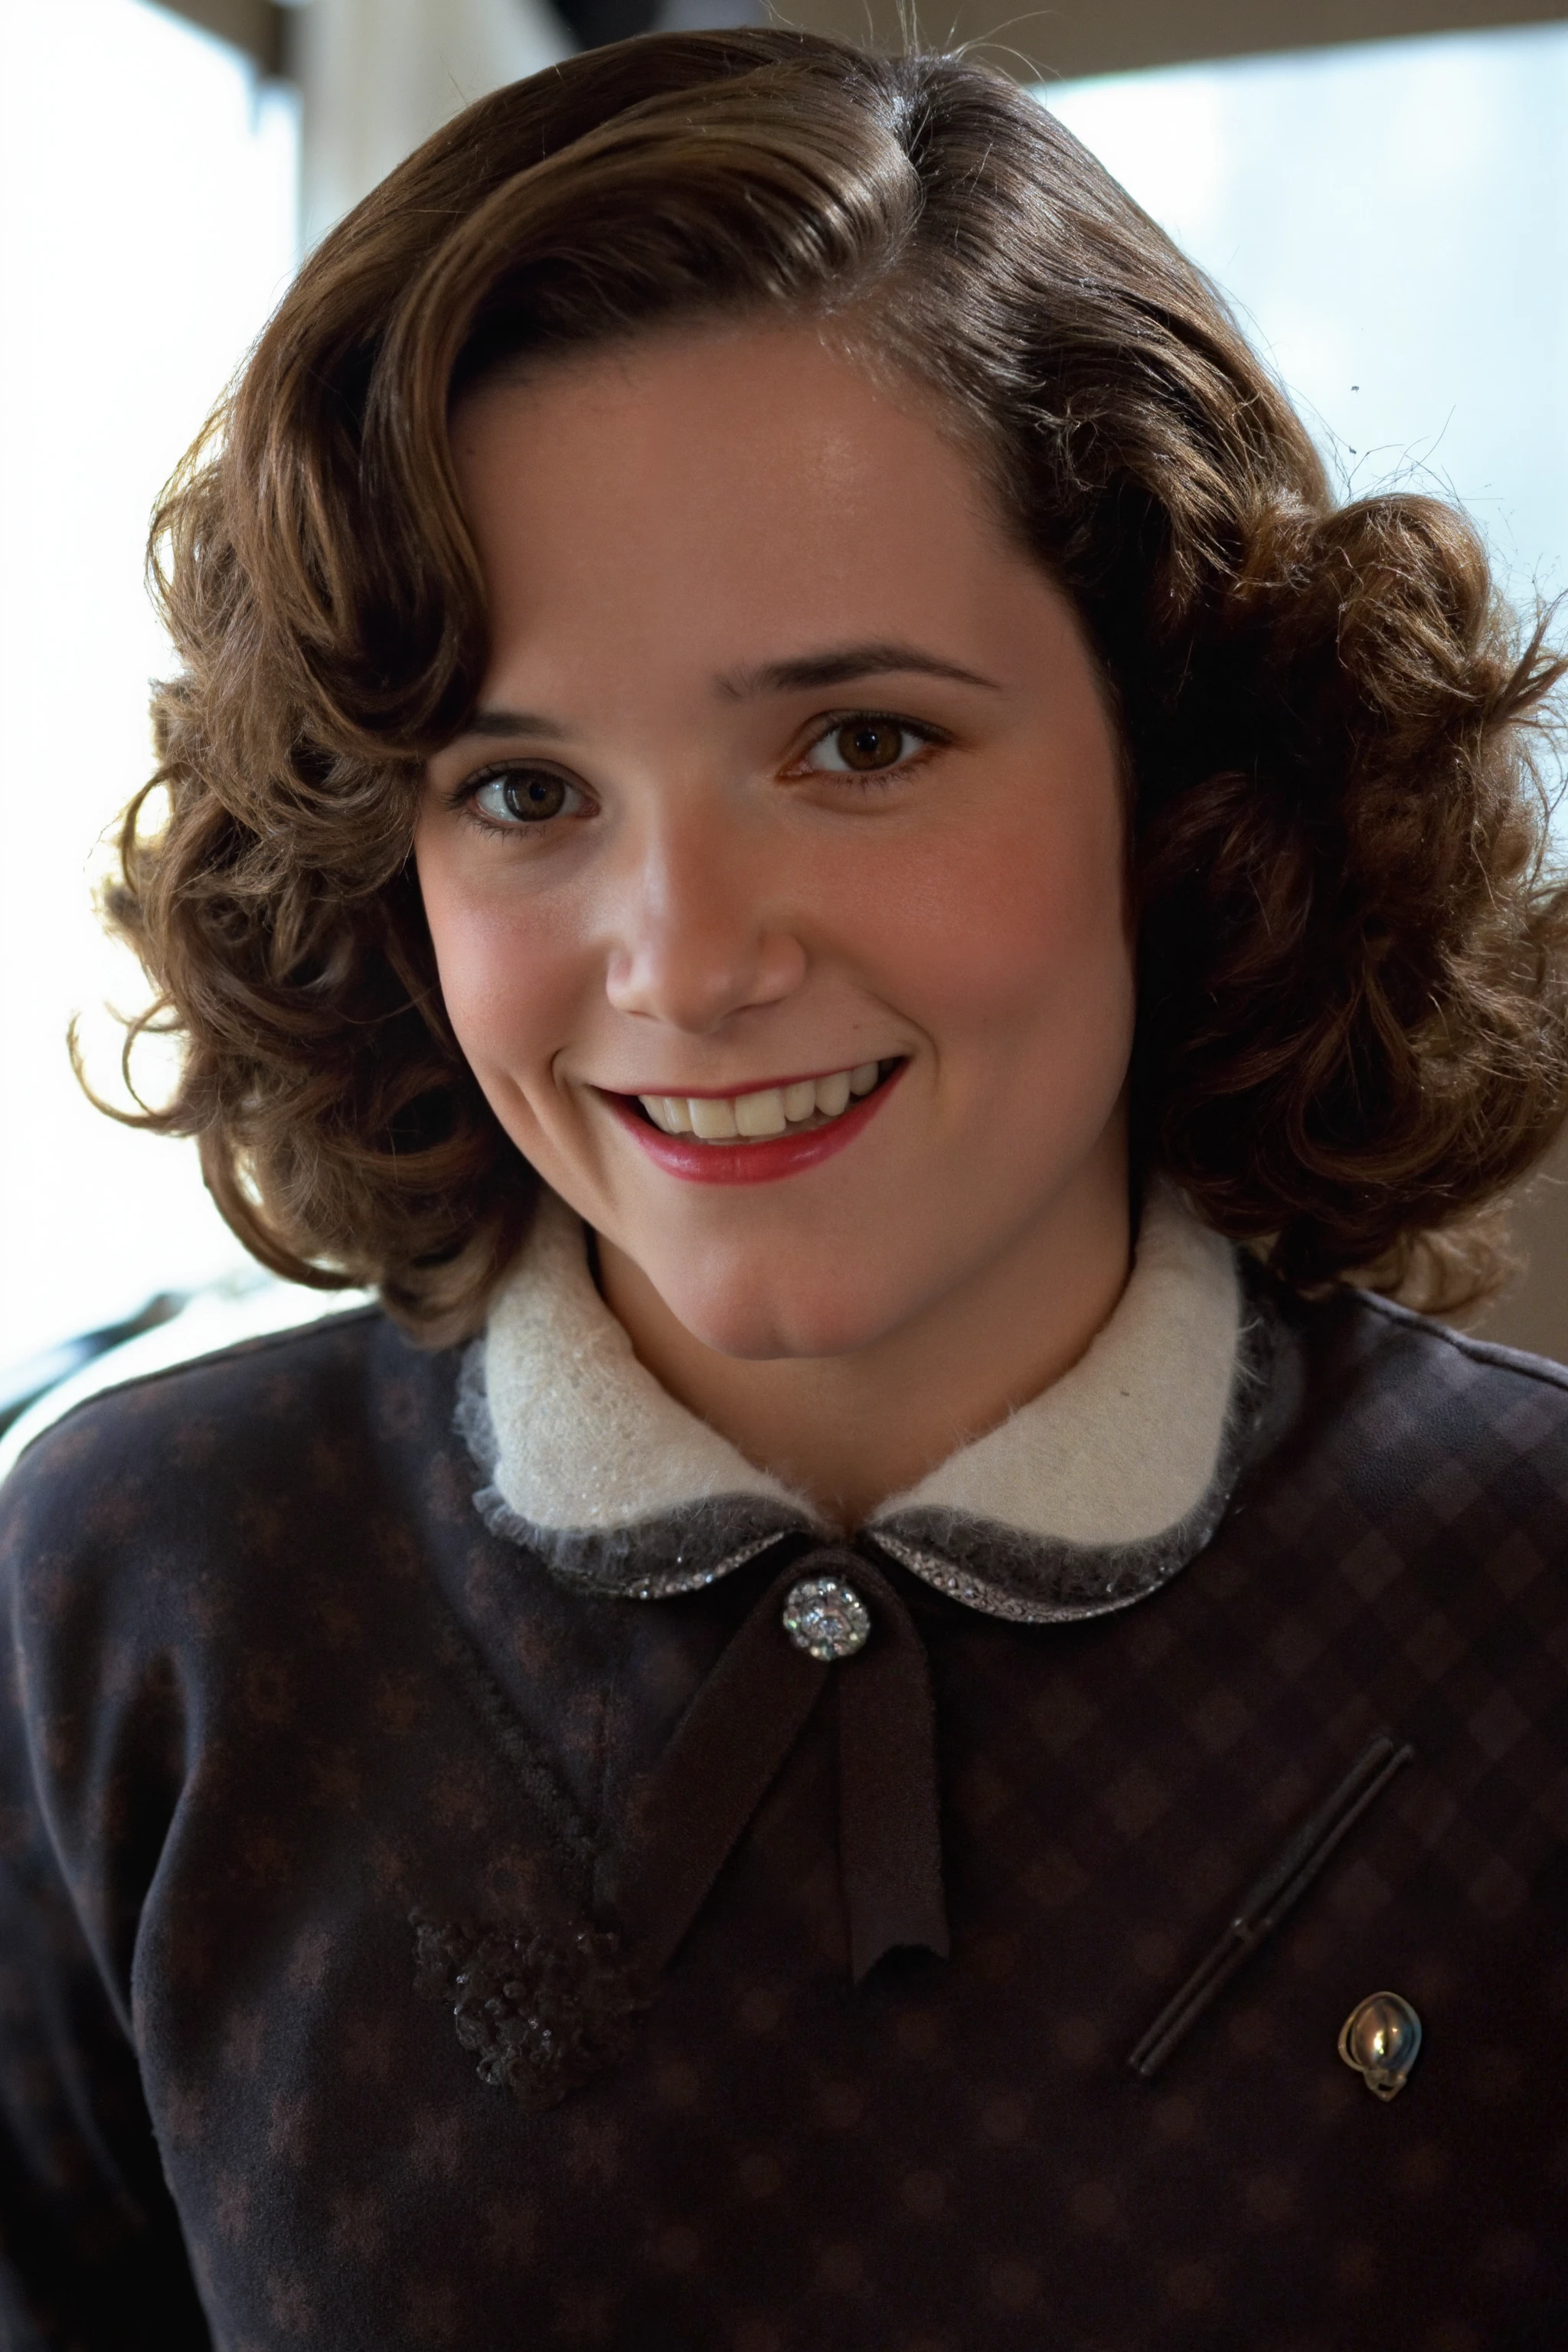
1377,184
377,77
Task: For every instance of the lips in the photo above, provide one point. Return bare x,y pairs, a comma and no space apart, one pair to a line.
844,1103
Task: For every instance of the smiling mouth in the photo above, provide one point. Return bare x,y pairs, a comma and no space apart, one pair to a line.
757,1116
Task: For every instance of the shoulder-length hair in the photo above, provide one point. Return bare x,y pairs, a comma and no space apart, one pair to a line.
1352,1032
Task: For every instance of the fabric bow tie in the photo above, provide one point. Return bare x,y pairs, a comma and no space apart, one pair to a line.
688,1814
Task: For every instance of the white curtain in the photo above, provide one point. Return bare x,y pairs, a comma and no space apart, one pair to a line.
379,76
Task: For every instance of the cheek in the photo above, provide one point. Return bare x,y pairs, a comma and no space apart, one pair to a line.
1003,935
508,979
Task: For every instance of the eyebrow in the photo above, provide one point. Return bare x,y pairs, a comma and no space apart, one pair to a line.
805,673
509,724
838,665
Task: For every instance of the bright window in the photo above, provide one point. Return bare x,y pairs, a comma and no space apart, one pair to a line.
147,226
1392,221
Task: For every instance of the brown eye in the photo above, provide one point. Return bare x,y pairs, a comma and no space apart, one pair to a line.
524,795
867,745
870,743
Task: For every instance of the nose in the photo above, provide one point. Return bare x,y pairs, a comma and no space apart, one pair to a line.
700,934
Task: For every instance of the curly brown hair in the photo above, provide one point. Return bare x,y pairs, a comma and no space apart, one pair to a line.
1353,1027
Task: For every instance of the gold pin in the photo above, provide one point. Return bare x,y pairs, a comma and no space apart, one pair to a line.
1380,2038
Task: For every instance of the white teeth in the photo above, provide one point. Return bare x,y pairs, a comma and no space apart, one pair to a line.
769,1111
712,1118
760,1114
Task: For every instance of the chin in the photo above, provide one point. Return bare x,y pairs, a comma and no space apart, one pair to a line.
761,1317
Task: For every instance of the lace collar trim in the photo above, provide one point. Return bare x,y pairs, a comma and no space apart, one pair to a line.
1085,1500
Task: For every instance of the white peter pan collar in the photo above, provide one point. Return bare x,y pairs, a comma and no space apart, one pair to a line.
1084,1500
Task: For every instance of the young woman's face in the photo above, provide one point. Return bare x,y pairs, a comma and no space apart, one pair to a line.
777,889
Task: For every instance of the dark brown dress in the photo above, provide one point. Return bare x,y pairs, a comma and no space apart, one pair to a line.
312,1785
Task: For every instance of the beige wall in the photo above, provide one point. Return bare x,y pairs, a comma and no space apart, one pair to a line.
259,27
1095,36
1085,36
379,76
1533,1310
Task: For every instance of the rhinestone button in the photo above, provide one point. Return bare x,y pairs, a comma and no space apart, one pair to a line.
826,1618
1380,2038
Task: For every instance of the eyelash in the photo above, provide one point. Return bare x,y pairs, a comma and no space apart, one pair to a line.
927,738
465,796
864,779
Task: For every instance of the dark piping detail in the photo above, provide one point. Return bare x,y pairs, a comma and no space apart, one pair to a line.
1269,1897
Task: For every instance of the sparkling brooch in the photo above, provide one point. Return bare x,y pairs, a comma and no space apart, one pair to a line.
1380,2038
826,1618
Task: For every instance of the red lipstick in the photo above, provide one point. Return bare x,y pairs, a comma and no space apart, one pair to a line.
762,1162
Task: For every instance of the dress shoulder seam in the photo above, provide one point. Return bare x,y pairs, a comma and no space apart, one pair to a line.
257,1345
1491,1352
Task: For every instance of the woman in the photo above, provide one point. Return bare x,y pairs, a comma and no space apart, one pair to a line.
789,811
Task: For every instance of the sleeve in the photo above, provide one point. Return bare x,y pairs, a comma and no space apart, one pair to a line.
92,2255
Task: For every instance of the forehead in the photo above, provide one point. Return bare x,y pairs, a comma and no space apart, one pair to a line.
733,483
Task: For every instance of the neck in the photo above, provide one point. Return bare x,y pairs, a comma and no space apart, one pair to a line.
847,1430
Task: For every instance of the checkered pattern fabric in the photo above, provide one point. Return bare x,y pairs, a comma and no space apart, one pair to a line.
274,1687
